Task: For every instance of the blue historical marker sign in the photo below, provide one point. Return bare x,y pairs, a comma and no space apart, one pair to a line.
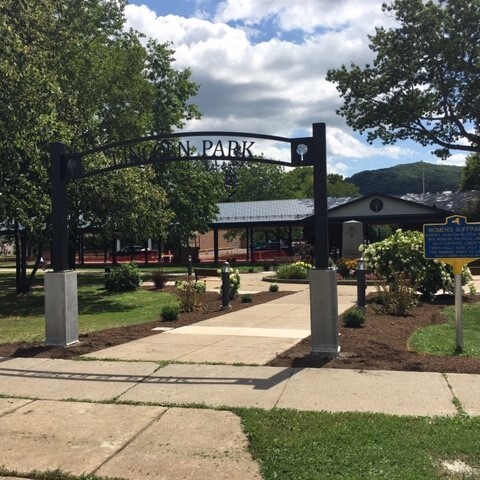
456,238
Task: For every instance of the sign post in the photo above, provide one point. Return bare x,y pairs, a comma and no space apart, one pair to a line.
457,243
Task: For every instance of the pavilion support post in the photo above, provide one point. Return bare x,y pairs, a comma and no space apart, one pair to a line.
215,244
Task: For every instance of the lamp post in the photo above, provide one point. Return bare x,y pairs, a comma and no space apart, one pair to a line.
361,284
226,286
190,266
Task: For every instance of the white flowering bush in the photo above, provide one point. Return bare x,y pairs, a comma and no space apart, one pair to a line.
189,294
234,282
403,253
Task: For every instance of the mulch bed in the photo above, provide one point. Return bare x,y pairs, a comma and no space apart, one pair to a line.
381,344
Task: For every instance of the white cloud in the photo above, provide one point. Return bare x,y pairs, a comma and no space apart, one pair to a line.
272,85
457,159
306,15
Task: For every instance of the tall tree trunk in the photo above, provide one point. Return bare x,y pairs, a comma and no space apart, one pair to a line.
18,285
35,266
21,259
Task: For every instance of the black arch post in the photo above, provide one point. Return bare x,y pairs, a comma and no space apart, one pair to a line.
320,199
61,300
323,282
59,207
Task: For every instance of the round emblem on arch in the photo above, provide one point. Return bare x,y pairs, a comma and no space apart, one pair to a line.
302,149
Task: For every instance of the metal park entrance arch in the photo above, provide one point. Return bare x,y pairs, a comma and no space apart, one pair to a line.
60,286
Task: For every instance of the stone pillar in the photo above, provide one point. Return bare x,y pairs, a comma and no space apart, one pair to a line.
324,312
352,238
61,308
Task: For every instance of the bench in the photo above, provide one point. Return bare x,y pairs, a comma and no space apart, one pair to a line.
205,272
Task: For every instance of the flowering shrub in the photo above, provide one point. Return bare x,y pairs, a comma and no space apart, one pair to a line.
297,270
189,294
403,253
346,267
234,282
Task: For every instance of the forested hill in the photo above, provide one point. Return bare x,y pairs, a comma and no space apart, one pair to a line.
408,178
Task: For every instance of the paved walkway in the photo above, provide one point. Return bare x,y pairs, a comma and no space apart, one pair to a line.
141,419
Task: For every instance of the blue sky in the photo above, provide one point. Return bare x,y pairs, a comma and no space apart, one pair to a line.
261,66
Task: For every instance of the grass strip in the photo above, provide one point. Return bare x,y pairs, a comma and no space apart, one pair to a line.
318,445
441,339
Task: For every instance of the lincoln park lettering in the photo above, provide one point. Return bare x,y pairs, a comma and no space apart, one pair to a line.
205,149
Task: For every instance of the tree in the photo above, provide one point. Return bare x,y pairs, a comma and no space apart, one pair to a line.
260,181
425,80
338,187
29,94
193,191
471,173
300,181
69,71
125,204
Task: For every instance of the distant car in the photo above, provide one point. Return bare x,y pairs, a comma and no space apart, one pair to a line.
134,252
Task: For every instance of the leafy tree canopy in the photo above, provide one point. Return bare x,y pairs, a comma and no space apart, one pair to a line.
337,186
69,71
424,83
471,173
193,190
259,181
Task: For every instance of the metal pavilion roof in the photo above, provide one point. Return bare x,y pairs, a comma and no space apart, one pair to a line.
297,210
270,211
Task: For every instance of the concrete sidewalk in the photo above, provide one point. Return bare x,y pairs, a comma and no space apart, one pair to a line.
141,419
134,420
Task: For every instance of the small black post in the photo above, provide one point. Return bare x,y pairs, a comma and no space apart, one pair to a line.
361,284
226,286
190,266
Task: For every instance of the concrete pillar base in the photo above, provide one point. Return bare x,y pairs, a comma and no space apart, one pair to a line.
324,312
61,308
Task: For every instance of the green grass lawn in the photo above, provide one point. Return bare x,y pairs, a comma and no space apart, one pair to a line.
22,317
318,445
441,339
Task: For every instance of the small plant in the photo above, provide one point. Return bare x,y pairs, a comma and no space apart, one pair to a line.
170,313
354,318
251,270
396,298
124,278
189,294
159,278
247,298
273,288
